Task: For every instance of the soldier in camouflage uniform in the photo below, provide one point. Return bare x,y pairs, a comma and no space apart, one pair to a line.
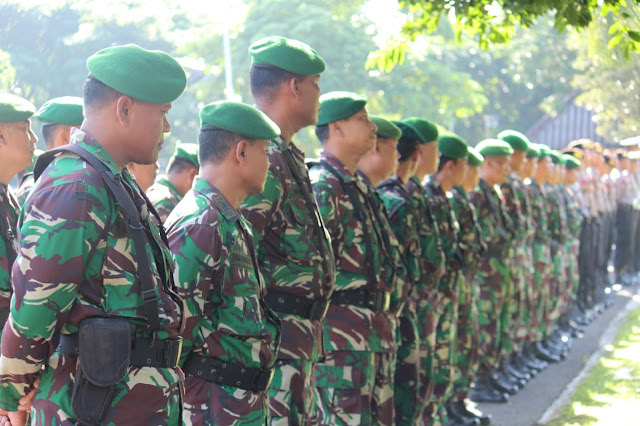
293,246
494,277
356,373
80,255
424,134
472,248
17,143
231,335
403,219
58,117
519,209
379,165
167,191
450,173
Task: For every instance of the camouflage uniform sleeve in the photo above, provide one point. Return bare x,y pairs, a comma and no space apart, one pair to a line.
260,209
327,205
46,277
195,271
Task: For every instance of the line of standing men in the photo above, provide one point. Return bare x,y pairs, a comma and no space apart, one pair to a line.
349,290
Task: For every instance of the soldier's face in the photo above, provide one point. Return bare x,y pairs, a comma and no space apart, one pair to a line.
17,143
148,125
459,171
471,178
499,168
255,166
388,157
359,132
145,174
309,99
571,176
428,159
517,160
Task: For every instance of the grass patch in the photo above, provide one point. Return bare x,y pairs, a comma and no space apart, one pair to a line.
610,395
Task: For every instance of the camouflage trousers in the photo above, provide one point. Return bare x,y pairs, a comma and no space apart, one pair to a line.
573,275
444,354
406,392
207,403
557,290
518,305
466,357
292,396
493,311
541,289
428,314
356,388
144,396
528,316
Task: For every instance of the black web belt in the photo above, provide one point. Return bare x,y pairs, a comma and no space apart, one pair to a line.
144,352
378,301
229,374
285,303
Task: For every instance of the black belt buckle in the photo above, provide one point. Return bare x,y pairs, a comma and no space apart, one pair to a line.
262,380
382,301
319,309
172,352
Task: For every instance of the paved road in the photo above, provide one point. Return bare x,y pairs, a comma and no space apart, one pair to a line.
527,406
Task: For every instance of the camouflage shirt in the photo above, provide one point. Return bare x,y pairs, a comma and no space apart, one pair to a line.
403,216
432,252
74,262
350,327
557,215
449,229
26,183
293,247
226,316
471,245
164,197
492,218
574,214
517,205
537,196
8,242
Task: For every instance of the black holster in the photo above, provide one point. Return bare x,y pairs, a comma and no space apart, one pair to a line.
103,360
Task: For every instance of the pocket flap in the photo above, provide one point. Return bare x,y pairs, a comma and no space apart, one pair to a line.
105,349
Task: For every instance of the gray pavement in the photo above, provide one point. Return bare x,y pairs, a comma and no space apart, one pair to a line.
527,406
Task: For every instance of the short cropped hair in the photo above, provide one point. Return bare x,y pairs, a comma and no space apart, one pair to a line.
179,165
96,93
322,133
49,131
406,148
444,160
215,145
264,81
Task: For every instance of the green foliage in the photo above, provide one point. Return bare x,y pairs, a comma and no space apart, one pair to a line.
495,22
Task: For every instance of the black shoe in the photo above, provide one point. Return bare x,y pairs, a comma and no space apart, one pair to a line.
519,363
458,419
487,395
502,383
512,369
468,409
545,355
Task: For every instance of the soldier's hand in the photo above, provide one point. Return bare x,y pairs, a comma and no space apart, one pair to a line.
14,418
24,404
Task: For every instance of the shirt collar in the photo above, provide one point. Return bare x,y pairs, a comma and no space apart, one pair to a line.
338,166
216,198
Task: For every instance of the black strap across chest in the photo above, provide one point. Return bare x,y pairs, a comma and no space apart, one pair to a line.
138,234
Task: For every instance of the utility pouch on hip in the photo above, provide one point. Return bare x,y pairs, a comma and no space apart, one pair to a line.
103,360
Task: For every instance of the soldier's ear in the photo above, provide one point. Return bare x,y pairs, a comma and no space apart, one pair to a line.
241,151
123,110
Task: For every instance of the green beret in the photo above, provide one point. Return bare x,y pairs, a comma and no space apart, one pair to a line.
409,133
517,140
188,152
545,151
288,54
555,157
386,129
474,158
427,129
336,106
148,75
534,151
14,108
65,110
238,118
494,148
452,146
571,162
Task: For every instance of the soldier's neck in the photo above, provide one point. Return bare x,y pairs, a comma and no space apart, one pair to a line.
280,116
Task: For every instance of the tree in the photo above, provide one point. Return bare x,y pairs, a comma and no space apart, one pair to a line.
494,22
